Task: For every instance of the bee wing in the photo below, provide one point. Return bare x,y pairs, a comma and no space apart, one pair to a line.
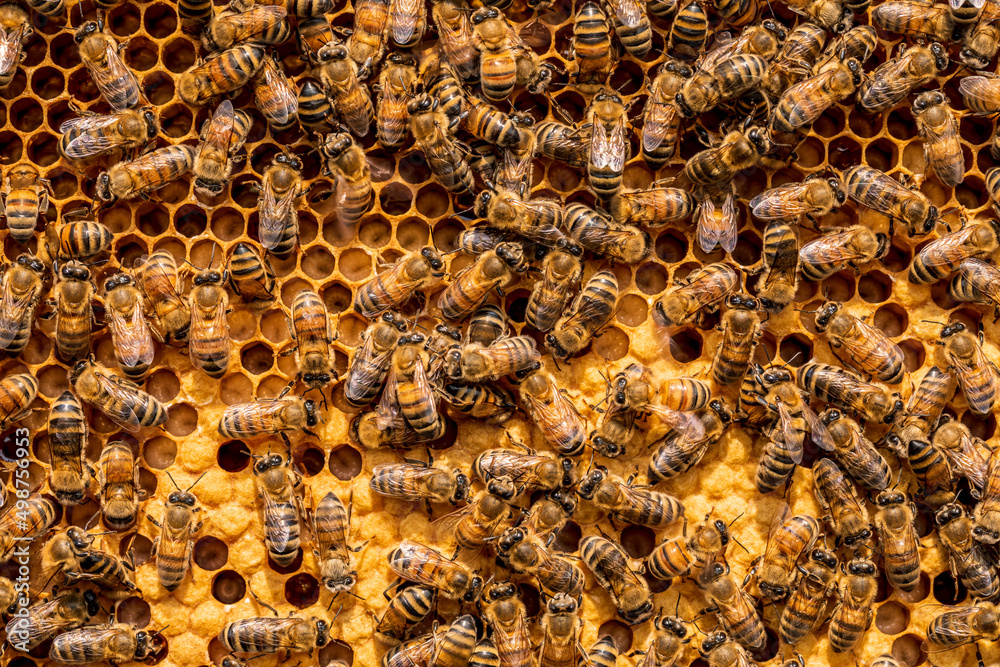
886,193
812,97
116,82
793,439
516,640
405,16
969,460
207,328
444,527
249,23
274,214
277,529
560,411
219,134
960,628
830,247
366,379
123,401
388,409
609,149
977,400
657,123
983,90
780,203
394,104
685,423
13,308
817,429
717,226
628,12
273,632
973,270
282,101
941,251
10,48
134,341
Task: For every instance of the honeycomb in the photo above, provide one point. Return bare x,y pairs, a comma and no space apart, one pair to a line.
411,209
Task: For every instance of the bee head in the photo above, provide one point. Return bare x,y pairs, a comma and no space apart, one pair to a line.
29,261
826,313
897,407
775,28
78,370
862,568
557,350
952,329
501,488
680,69
863,536
712,642
482,203
394,320
500,591
611,450
720,408
181,498
854,67
322,633
80,539
150,119
824,557
940,56
772,592
562,604
312,418
830,416
93,606
102,187
947,514
889,498
332,51
397,58
449,332
87,29
510,537
474,588
673,625
565,500
484,14
117,280
588,485
290,159
432,257
838,190
461,487
511,253
723,530
985,534
208,278
412,339
141,643
75,271
682,105
213,188
758,138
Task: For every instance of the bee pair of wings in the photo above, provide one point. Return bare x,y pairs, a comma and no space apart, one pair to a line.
793,438
983,276
116,82
276,523
280,102
891,81
785,202
609,146
406,16
628,12
388,413
133,339
961,626
660,119
835,247
811,97
981,93
968,459
10,47
717,220
942,251
14,306
972,369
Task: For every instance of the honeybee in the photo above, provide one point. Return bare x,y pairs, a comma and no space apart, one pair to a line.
412,482
561,624
833,252
330,524
855,452
120,399
976,282
428,125
661,119
717,219
846,390
942,256
977,375
846,514
396,83
980,45
101,55
735,608
801,104
526,554
593,57
131,335
26,522
258,24
492,270
829,14
737,151
532,471
741,330
366,44
222,137
455,645
938,128
779,266
562,270
689,30
906,17
118,479
966,558
720,651
346,161
149,172
310,329
71,552
69,473
964,625
209,342
22,290
566,144
787,539
116,643
16,394
653,208
270,635
250,274
220,73
554,414
808,601
442,84
504,59
590,311
987,525
451,17
966,453
603,236
480,520
406,609
549,514
25,198
981,94
416,651
76,240
799,51
813,198
923,412
504,611
853,613
370,363
339,76
612,569
453,580
872,188
868,349
280,191
407,22
408,394
609,145
627,503
700,291
156,277
268,417
893,80
682,448
278,487
477,363
15,30
92,135
897,538
173,546
315,111
722,78
47,619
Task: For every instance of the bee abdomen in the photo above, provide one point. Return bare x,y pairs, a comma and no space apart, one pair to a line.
774,468
498,76
669,560
637,40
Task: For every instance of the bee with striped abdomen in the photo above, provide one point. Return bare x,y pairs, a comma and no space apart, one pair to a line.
412,482
779,266
100,53
407,22
116,643
371,361
532,471
816,583
964,625
416,651
977,282
853,614
396,83
453,580
554,414
893,80
149,172
258,24
720,78
632,26
74,296
346,162
741,330
562,270
477,363
79,240
601,235
968,561
719,163
268,417
561,625
548,514
407,608
340,76
315,111
923,411
787,539
409,395
846,514
310,329
477,523
868,349
504,59
813,198
623,501
977,375
905,17
987,523
716,218
71,553
45,620
609,145
689,30
15,30
271,635
836,251
28,522
118,480
859,457
330,524
455,645
221,73
492,270
69,472
846,390
250,274
593,58
612,569
938,127
22,282
430,128
942,256
661,119
174,545
366,44
281,189
535,219
563,143
897,539
278,488
120,399
735,609
130,332
527,554
504,612
274,96
967,454
653,208
25,199
874,189
455,36
701,290
798,53
682,449
156,278
209,340
590,312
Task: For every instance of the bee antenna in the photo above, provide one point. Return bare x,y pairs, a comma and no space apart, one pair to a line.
933,322
173,481
785,365
738,517
741,545
194,482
